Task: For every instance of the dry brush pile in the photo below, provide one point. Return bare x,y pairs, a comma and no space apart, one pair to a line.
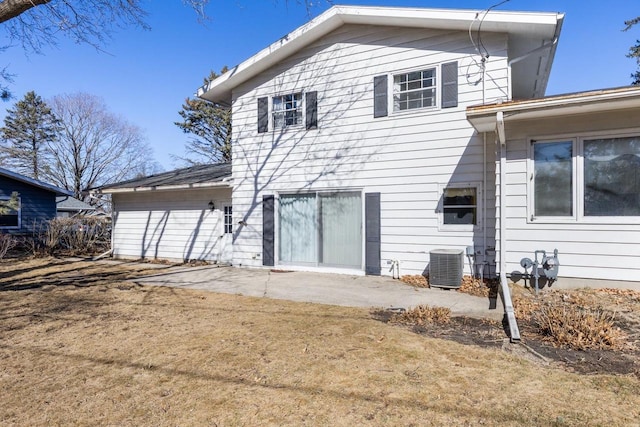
469,285
572,319
422,315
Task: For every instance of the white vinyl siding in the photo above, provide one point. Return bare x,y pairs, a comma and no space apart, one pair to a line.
174,225
404,156
592,247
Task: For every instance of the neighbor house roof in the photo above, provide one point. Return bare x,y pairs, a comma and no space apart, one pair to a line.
200,176
532,41
71,204
35,182
484,117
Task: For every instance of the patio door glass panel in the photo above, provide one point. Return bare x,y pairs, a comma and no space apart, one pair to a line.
341,229
298,228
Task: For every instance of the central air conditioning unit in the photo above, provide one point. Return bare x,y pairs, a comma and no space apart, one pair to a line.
445,268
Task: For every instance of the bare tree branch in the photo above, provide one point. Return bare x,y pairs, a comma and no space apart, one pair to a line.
95,146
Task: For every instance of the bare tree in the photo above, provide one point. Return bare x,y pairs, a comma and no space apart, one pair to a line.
35,24
95,146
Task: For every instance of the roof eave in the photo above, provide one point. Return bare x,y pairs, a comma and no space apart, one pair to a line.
36,183
483,118
543,25
200,185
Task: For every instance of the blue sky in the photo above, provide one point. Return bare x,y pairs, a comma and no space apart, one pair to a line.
146,75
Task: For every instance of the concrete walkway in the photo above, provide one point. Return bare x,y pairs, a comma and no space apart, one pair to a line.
322,288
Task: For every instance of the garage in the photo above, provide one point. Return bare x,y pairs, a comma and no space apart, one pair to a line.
181,215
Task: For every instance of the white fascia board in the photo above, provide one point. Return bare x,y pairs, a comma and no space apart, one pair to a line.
533,24
483,119
202,185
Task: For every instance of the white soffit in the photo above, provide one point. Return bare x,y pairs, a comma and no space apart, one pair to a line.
535,25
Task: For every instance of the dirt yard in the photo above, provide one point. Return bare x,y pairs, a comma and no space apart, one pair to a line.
82,344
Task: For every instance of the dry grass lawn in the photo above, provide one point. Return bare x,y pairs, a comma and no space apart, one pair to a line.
79,345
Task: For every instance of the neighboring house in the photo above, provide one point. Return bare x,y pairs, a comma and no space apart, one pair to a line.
37,202
180,215
68,207
367,138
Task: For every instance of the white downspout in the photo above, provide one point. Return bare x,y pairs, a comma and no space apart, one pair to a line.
504,285
484,202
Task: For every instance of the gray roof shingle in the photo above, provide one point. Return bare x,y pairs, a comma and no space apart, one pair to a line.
199,174
68,203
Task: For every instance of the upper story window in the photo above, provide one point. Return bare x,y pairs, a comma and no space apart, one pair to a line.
287,110
430,87
9,217
586,178
416,89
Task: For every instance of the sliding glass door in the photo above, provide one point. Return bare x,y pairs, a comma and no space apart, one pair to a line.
321,229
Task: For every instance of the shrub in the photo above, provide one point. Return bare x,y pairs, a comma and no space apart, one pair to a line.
69,236
7,242
579,328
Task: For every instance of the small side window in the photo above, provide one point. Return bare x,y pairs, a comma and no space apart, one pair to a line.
9,214
460,206
228,220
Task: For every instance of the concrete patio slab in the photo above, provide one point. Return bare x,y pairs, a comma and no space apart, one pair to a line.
322,288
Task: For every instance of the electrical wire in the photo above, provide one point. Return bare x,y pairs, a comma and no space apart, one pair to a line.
480,48
479,31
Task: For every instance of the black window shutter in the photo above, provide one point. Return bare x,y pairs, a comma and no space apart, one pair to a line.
268,231
263,115
450,84
380,103
311,110
372,232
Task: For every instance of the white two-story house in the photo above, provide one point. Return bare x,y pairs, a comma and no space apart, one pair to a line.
371,136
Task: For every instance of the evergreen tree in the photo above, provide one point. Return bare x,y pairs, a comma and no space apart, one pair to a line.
210,123
634,51
28,129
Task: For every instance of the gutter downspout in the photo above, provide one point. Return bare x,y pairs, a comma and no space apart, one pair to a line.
504,285
484,204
